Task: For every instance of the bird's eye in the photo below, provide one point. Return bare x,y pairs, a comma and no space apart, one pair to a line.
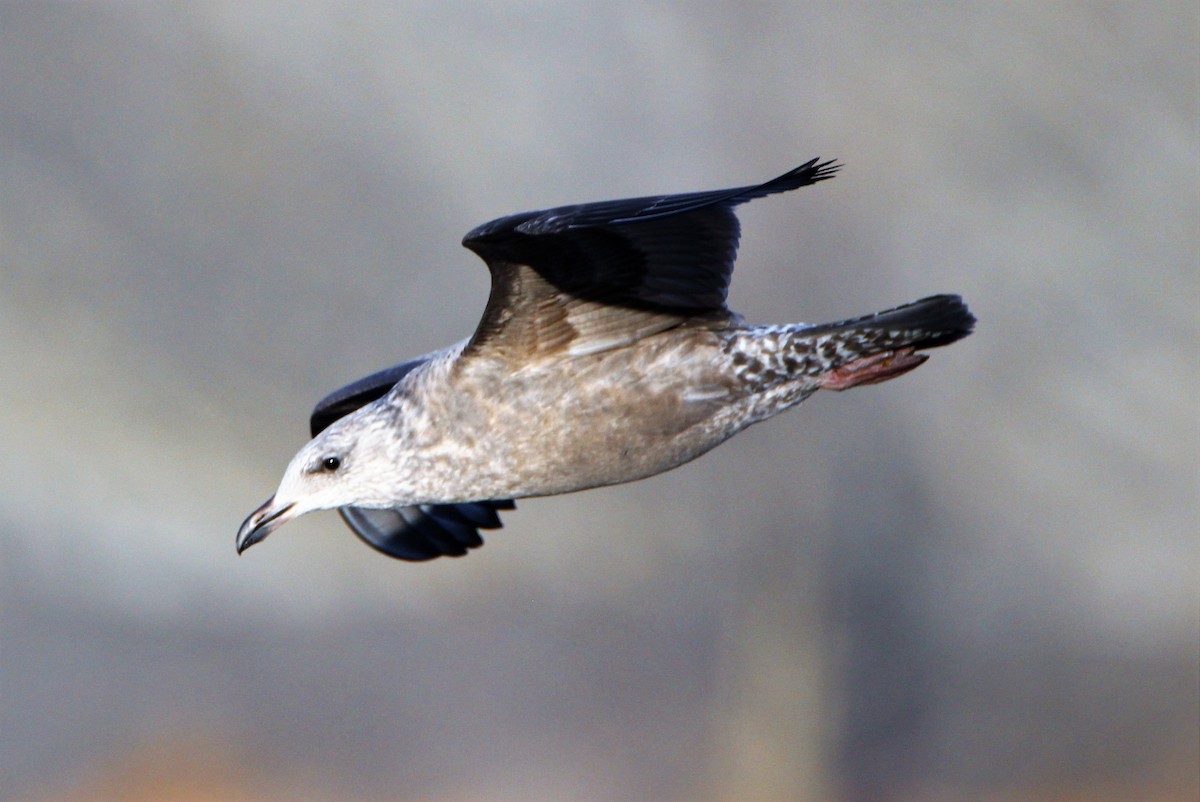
331,463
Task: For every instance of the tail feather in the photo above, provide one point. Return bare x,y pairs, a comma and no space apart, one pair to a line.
848,353
937,320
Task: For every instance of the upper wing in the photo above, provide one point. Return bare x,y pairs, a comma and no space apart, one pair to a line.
407,533
581,279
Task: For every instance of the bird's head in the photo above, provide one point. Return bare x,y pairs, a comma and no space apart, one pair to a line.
347,464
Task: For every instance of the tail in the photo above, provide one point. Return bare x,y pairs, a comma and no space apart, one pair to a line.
928,323
882,346
837,356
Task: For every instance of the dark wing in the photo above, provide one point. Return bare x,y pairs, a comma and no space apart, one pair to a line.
428,531
406,533
582,279
357,394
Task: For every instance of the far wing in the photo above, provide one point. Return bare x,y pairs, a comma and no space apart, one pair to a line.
357,394
428,531
406,533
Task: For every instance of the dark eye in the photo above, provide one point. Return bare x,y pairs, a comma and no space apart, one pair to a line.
331,463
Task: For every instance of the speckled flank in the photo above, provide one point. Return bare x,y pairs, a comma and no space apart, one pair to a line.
766,356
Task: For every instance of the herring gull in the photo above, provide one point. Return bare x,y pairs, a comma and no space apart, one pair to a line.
606,353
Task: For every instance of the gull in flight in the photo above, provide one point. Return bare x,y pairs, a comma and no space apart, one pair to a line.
606,353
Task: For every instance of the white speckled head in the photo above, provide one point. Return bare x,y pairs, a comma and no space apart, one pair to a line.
357,461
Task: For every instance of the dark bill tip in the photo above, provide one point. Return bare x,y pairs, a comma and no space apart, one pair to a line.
261,523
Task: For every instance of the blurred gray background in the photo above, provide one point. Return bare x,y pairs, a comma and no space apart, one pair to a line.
979,581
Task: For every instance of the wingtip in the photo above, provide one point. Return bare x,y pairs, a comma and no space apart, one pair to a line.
827,169
425,532
810,172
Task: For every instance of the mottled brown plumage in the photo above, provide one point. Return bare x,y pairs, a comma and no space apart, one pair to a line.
606,353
